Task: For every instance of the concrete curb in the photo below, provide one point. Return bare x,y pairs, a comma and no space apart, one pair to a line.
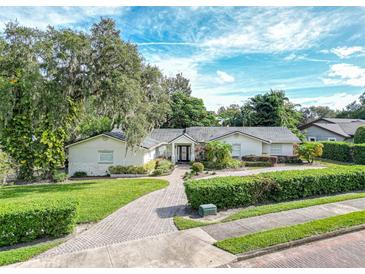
272,249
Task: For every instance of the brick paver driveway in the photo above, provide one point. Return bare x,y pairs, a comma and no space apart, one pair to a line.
149,215
342,251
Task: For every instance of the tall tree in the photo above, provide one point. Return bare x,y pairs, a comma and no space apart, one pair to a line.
354,110
47,76
178,84
188,111
271,109
314,112
230,116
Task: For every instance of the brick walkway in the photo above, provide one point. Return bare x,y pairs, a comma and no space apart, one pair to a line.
147,216
291,217
342,251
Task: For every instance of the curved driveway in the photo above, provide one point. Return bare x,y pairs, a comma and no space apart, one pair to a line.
147,216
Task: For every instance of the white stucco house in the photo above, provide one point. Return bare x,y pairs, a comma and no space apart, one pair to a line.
95,154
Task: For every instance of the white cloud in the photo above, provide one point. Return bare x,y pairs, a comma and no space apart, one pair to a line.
346,74
345,52
335,101
224,77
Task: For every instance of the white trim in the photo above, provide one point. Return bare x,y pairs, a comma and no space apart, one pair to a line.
183,135
312,137
332,139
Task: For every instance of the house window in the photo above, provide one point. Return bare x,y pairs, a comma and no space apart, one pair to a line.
312,139
236,150
105,157
333,139
276,149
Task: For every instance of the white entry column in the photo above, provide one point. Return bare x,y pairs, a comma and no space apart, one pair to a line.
173,156
192,157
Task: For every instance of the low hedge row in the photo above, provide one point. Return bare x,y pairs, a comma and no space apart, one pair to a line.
344,152
21,223
263,158
229,192
127,170
258,164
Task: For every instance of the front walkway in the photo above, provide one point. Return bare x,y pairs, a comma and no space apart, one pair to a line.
147,216
285,218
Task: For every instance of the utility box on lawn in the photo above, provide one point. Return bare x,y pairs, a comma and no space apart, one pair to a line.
208,209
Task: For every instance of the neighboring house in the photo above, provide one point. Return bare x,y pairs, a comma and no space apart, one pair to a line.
331,129
95,154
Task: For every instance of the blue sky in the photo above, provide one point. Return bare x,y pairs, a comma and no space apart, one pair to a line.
315,54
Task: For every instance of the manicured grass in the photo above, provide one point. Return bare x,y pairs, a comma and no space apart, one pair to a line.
290,233
183,223
265,209
24,253
97,198
272,208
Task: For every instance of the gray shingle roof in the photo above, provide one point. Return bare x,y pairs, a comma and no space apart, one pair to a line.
148,142
341,126
269,134
166,134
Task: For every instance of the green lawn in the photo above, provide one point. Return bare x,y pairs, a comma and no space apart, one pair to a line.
24,253
290,233
97,198
271,208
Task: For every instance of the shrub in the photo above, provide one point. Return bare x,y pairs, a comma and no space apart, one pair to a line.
80,174
359,137
163,167
289,160
233,191
218,153
258,164
337,151
127,170
59,176
197,167
359,154
252,158
25,222
233,163
308,151
150,166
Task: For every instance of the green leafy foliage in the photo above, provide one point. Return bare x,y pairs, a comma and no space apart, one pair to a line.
188,111
309,151
358,152
228,192
271,109
219,154
6,166
49,81
230,116
359,137
258,164
163,167
197,167
80,174
24,222
127,170
273,160
337,151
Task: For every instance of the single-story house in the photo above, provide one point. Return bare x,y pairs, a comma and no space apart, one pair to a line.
95,154
331,129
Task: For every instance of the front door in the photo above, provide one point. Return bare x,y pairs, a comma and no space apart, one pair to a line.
184,153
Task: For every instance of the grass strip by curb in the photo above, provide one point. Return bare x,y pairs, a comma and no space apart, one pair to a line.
183,223
286,234
22,254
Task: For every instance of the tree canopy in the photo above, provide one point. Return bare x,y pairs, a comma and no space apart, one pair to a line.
188,111
230,116
271,109
47,76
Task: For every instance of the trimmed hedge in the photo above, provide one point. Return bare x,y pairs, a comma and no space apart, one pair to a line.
258,164
337,151
252,158
229,192
26,222
127,170
358,152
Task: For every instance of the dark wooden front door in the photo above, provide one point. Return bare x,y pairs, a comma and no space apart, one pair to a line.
184,153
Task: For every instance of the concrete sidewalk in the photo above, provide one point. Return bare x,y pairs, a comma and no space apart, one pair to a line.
191,248
285,218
